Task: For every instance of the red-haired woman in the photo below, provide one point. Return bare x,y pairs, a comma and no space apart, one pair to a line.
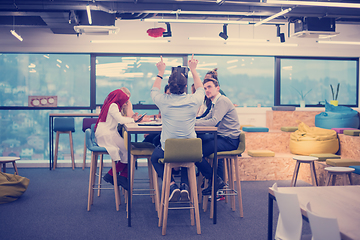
107,135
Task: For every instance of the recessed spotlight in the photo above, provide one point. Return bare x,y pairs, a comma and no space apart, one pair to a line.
223,34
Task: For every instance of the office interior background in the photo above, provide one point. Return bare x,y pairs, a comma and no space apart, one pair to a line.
257,68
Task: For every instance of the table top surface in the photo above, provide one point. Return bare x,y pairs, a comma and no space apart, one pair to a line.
74,114
341,202
8,159
134,127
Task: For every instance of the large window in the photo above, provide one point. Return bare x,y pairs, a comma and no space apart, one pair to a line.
246,81
25,132
66,76
135,73
310,80
75,78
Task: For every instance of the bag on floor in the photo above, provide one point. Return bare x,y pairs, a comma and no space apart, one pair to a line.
12,187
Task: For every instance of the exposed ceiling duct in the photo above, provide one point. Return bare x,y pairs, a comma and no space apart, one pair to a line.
62,16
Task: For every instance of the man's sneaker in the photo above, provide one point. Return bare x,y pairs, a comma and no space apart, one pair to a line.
218,198
184,192
174,193
220,183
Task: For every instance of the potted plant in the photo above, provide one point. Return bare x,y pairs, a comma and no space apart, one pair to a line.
335,102
302,96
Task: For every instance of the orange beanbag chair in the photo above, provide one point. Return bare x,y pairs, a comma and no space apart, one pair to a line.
309,140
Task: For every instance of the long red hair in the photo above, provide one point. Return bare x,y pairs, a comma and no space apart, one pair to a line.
116,96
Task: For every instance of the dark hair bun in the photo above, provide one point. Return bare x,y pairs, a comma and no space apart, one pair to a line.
177,83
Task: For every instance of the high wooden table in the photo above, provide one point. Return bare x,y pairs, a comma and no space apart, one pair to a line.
341,202
51,127
134,128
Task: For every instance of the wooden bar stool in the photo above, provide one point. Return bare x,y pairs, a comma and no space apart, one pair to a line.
304,159
95,152
231,163
342,171
86,124
9,159
181,153
142,150
64,126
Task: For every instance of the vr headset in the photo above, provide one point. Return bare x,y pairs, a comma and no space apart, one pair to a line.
180,69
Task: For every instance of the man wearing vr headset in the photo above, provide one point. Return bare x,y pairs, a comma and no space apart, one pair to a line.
178,113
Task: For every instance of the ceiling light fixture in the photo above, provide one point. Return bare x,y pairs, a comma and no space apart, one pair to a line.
223,34
194,21
220,2
338,42
16,35
315,4
88,11
179,11
273,16
229,40
168,31
130,41
96,30
267,44
279,34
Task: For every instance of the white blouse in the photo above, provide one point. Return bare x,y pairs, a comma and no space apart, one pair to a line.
107,135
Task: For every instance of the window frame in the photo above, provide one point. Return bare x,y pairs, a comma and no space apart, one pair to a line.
89,107
277,79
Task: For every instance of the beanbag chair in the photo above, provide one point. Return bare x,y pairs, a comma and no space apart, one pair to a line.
337,117
311,140
12,187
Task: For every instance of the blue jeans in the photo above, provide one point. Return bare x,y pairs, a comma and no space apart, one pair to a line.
223,144
159,167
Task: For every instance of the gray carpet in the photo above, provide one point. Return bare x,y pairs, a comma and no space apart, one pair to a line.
54,207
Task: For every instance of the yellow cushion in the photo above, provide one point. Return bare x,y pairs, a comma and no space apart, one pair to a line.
261,153
352,132
324,156
289,129
342,162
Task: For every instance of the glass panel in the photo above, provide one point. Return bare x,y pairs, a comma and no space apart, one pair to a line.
246,80
25,133
310,80
66,76
135,73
